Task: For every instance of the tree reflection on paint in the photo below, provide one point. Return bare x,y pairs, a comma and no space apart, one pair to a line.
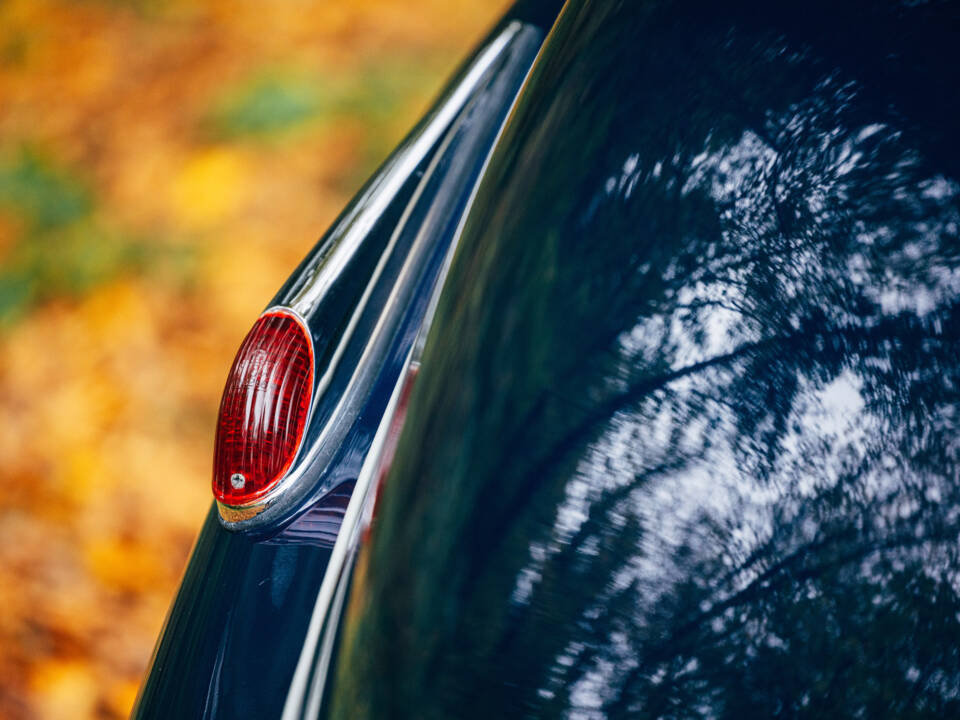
685,443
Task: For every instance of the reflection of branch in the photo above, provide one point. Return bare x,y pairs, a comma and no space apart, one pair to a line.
621,602
780,573
782,222
906,328
712,272
763,551
785,568
588,528
731,306
613,497
921,683
598,414
600,342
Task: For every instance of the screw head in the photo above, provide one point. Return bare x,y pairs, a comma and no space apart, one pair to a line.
238,480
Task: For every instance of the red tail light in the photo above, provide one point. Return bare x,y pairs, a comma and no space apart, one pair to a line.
264,409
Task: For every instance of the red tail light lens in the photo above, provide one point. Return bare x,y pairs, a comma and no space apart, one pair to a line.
264,409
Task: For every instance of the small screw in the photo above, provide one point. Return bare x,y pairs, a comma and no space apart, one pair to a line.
238,480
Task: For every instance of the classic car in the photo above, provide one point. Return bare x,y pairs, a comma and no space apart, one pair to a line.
627,387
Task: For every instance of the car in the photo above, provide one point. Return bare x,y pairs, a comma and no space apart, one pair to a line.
627,387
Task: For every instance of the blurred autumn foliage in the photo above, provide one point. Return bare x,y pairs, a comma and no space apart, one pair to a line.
163,167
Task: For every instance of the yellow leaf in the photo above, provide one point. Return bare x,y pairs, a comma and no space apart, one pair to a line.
122,565
64,689
209,187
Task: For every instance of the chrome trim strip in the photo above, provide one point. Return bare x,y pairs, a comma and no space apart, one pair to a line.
382,192
246,512
282,499
312,668
358,510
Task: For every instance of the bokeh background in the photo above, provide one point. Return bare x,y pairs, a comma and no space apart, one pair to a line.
163,167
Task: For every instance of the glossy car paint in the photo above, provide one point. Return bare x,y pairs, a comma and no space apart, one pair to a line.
685,440
232,638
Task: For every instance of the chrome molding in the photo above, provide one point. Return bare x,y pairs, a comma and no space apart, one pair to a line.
487,89
306,693
385,187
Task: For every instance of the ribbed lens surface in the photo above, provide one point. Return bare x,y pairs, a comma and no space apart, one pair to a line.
264,409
